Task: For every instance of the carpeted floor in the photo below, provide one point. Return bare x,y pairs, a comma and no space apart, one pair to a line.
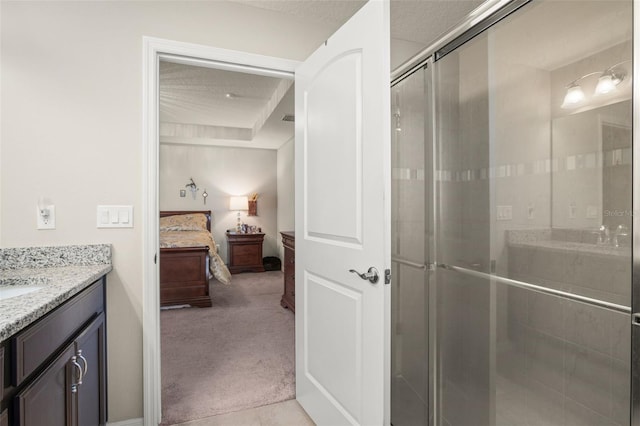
238,354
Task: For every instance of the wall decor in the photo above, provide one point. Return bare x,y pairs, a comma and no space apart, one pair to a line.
191,186
253,205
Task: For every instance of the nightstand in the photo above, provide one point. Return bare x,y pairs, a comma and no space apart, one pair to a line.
245,252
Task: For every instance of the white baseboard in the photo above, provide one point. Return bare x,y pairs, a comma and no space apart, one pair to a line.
130,422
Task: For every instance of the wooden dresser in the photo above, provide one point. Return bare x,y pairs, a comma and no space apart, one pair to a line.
288,298
245,252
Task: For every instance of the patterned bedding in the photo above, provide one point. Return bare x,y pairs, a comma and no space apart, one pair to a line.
190,231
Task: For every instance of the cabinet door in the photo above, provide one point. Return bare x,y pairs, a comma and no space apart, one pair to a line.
90,350
47,400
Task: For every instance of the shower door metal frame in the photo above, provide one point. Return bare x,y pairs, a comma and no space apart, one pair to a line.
431,232
635,250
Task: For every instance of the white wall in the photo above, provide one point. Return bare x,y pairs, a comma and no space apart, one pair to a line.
223,172
71,130
286,193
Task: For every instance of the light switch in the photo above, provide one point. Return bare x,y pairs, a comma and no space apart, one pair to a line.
103,217
115,216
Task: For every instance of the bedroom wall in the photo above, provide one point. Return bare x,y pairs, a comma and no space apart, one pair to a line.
222,172
71,85
286,193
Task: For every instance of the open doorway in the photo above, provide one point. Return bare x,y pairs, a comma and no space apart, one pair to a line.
225,134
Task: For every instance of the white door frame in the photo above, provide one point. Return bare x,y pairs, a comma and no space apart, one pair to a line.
188,54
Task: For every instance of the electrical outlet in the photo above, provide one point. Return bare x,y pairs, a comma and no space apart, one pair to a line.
531,211
504,213
46,218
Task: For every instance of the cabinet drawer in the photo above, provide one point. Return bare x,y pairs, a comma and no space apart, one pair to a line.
36,343
246,255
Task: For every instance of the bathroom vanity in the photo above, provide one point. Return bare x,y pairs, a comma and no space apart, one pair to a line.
53,342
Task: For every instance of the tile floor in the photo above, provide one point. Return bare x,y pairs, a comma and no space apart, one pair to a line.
287,413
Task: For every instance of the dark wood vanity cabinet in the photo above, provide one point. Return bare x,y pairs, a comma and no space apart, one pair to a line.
91,399
65,386
289,296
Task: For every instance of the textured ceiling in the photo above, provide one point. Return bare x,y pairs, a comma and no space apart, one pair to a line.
201,105
197,95
195,110
333,12
419,21
423,21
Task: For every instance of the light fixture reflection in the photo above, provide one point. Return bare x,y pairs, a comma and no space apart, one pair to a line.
608,81
398,126
396,116
574,96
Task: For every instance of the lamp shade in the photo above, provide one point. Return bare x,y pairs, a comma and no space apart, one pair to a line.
238,203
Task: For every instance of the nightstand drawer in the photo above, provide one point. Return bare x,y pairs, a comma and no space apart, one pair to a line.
247,255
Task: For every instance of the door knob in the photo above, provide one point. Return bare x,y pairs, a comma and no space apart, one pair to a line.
371,275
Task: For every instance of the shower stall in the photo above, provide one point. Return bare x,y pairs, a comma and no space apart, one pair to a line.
512,221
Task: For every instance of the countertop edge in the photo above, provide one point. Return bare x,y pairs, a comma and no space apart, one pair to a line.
39,309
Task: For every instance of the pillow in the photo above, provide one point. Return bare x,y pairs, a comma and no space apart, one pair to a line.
184,222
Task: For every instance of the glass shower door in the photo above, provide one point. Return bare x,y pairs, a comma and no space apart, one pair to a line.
532,219
409,338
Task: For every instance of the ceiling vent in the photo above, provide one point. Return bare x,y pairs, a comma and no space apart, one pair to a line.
289,117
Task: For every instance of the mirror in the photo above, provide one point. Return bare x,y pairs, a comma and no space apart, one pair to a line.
591,153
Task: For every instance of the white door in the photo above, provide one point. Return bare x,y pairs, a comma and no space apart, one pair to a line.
342,216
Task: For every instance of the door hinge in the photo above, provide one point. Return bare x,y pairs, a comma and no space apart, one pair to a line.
155,258
387,276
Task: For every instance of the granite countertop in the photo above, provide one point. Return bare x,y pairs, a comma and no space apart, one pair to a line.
547,239
606,250
59,272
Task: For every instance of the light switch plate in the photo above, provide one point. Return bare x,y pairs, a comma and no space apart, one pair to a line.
115,217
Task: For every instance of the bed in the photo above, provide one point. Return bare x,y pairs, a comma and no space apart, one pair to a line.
188,258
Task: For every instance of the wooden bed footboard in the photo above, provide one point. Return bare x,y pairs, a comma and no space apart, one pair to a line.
184,276
184,271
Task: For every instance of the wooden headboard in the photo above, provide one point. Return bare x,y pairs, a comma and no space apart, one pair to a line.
207,213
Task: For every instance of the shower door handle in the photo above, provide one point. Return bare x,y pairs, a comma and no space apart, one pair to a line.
371,275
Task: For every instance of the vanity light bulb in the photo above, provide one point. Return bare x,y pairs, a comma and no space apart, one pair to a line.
606,84
574,96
